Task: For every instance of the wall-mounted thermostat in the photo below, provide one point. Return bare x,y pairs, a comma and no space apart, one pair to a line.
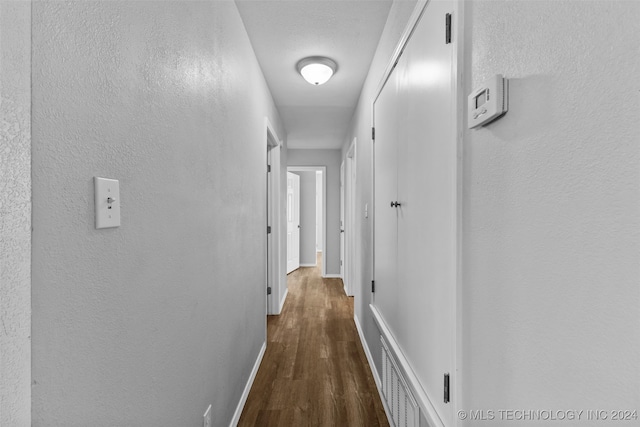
488,102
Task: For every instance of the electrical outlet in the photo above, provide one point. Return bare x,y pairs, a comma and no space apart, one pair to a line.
207,417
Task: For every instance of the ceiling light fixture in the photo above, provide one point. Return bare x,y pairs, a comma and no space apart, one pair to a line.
317,70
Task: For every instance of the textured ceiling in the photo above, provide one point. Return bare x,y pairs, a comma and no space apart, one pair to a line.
283,32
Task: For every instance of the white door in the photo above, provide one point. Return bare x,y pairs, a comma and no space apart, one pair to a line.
293,222
342,204
416,166
349,223
269,234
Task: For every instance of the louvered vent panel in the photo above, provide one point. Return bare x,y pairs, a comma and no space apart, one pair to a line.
401,403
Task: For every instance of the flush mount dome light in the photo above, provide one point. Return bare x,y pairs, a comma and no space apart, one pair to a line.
316,70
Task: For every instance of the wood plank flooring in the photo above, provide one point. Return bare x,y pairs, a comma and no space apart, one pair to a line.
314,371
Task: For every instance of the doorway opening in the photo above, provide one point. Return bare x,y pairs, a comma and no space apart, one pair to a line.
306,216
348,246
275,281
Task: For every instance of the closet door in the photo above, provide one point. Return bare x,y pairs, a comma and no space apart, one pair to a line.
416,241
386,192
427,167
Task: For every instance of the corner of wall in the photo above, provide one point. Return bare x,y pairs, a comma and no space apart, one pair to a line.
15,218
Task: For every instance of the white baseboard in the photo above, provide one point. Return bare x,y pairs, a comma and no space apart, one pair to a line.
332,276
374,371
284,297
346,290
426,406
247,387
308,265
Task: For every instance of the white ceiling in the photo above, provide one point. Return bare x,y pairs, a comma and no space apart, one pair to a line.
284,31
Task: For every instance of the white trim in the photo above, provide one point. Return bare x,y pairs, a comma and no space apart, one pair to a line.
418,10
294,168
247,387
414,384
374,371
343,217
273,273
274,141
459,101
349,226
331,276
351,149
308,265
284,297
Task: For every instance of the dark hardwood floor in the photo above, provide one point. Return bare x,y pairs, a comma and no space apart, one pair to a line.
314,371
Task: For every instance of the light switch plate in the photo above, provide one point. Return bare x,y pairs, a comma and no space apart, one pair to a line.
107,202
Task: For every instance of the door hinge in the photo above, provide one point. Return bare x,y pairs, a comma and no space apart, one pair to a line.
373,286
447,20
340,262
268,290
373,133
446,388
268,229
268,168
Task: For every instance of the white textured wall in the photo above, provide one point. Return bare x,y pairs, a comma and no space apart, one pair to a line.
149,323
330,159
307,217
551,302
15,213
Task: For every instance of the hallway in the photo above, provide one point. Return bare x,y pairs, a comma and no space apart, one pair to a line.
520,236
314,371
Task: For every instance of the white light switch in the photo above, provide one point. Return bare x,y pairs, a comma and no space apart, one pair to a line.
107,202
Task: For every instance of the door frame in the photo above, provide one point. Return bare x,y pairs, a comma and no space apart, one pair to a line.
273,271
293,184
324,207
350,217
343,225
347,219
